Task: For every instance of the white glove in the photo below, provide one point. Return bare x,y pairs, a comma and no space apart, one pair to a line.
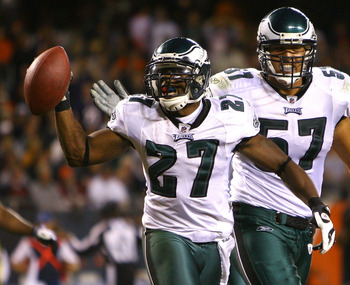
105,98
321,218
45,235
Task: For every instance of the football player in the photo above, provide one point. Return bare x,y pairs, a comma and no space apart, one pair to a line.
186,143
304,110
12,222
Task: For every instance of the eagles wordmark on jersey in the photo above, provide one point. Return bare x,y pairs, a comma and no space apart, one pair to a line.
186,166
302,128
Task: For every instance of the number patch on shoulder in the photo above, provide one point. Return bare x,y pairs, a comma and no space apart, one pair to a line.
237,105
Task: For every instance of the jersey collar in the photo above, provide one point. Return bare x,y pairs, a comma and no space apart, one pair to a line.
299,94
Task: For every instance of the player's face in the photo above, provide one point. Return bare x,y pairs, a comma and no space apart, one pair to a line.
287,59
172,85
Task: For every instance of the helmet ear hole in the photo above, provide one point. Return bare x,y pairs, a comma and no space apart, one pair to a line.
286,27
185,59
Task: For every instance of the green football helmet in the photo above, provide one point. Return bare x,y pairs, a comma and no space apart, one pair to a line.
286,26
177,59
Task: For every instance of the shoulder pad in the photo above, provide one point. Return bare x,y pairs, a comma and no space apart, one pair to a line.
331,78
233,78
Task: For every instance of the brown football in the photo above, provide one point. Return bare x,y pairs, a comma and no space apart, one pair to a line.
47,80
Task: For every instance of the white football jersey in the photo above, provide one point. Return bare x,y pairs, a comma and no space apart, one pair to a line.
186,166
302,128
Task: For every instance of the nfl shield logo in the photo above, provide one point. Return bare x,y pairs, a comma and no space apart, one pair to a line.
184,133
184,128
292,99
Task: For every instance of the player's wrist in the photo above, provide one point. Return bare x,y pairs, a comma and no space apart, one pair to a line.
64,104
315,202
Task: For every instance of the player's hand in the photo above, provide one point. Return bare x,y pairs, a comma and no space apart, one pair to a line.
321,218
45,235
105,98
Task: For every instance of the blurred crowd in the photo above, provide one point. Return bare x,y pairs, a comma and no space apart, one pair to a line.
106,40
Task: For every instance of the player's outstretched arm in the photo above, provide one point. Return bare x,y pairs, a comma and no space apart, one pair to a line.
265,154
12,222
81,149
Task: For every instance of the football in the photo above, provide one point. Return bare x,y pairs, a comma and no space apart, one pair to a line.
46,80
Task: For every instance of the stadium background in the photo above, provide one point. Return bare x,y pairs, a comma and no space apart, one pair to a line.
114,39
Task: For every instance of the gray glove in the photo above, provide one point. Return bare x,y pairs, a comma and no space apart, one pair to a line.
105,98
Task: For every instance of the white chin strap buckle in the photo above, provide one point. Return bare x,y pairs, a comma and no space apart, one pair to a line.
287,80
174,104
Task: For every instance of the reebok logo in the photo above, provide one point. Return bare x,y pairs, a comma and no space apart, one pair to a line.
264,229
